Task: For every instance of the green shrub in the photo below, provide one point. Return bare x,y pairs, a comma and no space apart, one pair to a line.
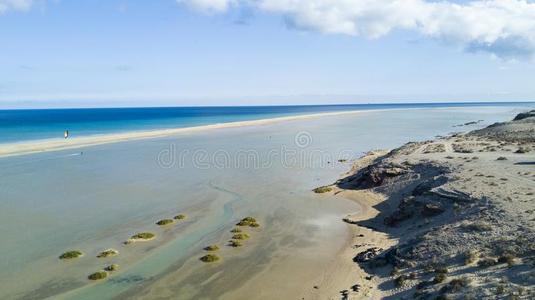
180,217
507,258
247,221
441,270
235,243
236,230
98,275
439,278
209,258
164,222
211,248
240,236
522,150
143,236
254,225
322,189
107,253
71,254
400,281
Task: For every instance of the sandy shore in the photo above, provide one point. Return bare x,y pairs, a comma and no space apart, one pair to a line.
21,148
344,279
451,218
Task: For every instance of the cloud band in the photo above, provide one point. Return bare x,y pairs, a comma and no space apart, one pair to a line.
504,28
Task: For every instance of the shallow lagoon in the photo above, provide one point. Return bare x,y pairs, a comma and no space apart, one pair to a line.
95,198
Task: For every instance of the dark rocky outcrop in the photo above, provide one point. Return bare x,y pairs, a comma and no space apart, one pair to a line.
375,175
520,130
453,195
367,255
413,206
524,115
426,186
432,209
406,210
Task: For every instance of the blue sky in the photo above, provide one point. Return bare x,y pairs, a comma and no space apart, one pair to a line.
166,52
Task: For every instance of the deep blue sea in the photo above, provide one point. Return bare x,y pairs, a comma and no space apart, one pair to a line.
33,124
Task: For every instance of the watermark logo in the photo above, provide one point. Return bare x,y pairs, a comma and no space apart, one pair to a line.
298,155
303,139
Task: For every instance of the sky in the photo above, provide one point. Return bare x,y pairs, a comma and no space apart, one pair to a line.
89,53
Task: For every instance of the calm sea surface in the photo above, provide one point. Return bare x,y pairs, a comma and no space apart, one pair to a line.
32,124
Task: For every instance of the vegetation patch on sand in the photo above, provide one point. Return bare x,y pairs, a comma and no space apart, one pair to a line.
208,258
142,236
248,221
211,248
322,189
522,150
236,230
235,243
71,254
107,253
165,222
180,217
240,236
98,275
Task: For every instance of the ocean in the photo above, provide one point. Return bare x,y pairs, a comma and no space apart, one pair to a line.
36,124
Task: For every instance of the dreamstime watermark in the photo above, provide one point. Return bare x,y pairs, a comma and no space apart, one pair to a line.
303,139
299,154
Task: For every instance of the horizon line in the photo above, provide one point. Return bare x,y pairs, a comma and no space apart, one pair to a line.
473,102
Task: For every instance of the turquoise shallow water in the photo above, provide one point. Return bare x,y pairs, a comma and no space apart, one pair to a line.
55,201
33,124
156,263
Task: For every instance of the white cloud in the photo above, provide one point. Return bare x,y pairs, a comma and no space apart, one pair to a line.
505,28
6,5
